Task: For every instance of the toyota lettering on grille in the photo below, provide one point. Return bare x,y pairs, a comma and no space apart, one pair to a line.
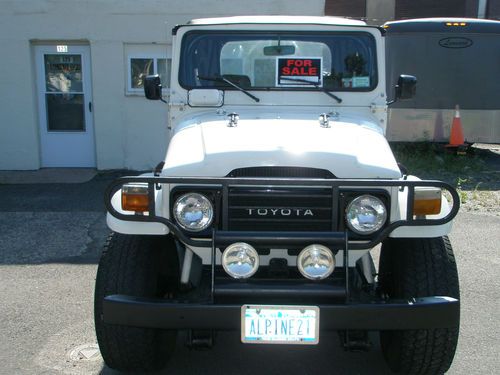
296,212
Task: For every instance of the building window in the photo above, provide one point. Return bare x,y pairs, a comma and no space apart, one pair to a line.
142,59
141,66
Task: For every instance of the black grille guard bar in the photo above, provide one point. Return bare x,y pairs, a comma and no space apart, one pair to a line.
335,184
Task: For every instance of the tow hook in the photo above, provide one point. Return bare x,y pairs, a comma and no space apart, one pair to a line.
200,339
355,341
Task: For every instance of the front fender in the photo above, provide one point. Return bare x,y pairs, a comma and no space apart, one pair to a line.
425,231
138,227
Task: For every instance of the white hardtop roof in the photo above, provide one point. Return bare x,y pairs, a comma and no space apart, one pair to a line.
466,25
309,20
443,20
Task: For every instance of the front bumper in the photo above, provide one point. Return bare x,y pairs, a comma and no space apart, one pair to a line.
420,313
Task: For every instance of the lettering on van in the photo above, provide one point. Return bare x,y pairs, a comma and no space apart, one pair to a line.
455,42
296,72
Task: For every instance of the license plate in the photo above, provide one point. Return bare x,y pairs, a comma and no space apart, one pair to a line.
261,324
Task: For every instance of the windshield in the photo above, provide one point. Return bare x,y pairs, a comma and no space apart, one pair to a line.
340,61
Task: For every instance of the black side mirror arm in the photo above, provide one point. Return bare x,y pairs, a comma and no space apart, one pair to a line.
392,101
396,97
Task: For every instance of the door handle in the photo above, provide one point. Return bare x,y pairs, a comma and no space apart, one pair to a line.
90,106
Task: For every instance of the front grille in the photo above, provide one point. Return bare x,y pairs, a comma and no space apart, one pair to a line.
280,209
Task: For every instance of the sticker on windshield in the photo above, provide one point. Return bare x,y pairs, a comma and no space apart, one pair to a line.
356,82
360,81
299,72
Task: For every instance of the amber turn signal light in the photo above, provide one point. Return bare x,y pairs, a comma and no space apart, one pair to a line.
135,197
427,201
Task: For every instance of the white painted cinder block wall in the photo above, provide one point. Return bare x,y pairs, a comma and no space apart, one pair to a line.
130,132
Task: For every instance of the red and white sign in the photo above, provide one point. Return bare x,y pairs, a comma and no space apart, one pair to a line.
298,71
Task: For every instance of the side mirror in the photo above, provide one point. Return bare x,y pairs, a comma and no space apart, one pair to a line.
152,87
406,87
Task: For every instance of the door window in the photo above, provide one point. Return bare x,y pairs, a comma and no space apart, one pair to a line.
64,93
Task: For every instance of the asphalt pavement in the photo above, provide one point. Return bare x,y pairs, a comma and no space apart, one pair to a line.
50,240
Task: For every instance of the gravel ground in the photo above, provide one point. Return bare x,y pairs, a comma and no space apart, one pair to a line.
481,193
476,175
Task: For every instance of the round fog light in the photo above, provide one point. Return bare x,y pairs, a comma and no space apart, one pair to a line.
240,260
316,262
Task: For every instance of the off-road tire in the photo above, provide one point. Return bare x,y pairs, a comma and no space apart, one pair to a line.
142,266
419,267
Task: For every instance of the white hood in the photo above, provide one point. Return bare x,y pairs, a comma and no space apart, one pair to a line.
213,149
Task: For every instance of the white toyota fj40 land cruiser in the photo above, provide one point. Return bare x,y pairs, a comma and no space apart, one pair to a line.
277,183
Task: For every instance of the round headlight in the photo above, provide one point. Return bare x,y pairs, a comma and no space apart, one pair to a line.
193,212
240,260
366,214
316,262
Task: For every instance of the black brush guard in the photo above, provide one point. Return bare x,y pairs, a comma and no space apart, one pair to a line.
420,313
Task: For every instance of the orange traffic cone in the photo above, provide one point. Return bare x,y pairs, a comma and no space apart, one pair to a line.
457,135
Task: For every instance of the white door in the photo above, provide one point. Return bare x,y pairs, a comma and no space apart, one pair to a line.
65,106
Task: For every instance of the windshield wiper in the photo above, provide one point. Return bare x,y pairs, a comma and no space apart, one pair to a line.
219,78
321,88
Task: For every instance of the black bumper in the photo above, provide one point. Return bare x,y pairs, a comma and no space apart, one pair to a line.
422,313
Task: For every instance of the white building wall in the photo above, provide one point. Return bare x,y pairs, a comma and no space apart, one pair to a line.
130,132
19,144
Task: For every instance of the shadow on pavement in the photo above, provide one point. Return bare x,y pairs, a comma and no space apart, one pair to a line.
230,357
54,223
84,197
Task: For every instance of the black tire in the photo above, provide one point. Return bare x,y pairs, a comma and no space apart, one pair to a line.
142,266
419,267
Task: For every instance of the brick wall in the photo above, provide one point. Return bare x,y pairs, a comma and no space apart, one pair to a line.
493,10
346,8
430,8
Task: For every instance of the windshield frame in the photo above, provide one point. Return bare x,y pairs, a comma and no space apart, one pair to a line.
273,34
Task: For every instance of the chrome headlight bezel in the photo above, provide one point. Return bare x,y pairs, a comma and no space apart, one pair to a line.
207,211
373,202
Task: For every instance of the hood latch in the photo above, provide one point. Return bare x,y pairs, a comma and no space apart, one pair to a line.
324,120
233,120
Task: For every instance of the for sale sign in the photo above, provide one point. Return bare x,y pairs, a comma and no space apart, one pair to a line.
297,72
